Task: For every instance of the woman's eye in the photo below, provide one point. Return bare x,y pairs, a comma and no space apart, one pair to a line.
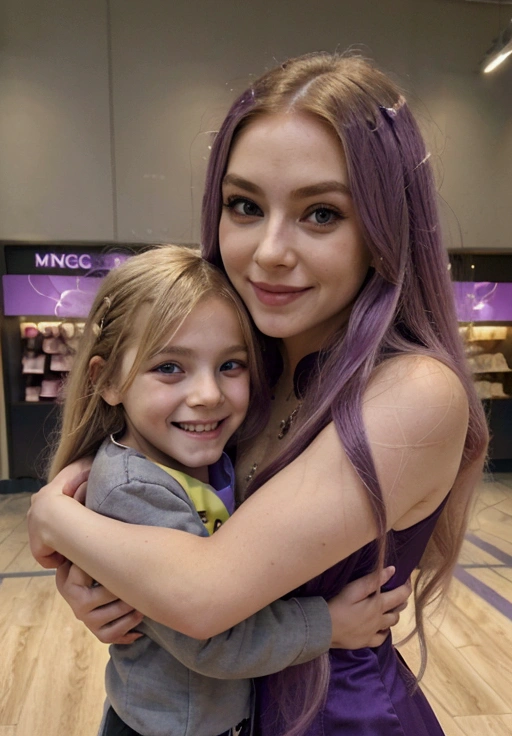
323,216
243,207
168,369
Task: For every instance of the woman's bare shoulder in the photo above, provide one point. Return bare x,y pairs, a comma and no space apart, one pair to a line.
416,417
419,397
413,371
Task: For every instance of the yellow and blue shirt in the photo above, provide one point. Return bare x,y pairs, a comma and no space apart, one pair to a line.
213,502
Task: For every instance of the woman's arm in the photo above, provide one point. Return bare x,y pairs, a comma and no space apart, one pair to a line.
359,618
310,516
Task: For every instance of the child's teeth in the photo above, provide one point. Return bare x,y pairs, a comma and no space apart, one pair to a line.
199,427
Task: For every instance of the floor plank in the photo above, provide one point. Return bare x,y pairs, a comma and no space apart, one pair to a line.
485,725
453,681
448,723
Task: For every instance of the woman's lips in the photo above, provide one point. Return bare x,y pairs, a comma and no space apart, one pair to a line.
276,295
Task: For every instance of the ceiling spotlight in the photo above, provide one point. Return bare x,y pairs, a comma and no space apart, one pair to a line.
500,50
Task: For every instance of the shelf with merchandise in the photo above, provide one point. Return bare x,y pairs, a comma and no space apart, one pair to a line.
489,351
47,352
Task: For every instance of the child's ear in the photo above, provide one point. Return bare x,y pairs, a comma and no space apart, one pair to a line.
109,393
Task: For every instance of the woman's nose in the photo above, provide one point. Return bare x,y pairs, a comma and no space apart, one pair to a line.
276,246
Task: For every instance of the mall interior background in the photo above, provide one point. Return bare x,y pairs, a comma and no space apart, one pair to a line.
108,107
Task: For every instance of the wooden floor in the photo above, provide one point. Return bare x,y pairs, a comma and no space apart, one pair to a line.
51,668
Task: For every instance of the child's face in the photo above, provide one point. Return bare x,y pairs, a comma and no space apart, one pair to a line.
185,403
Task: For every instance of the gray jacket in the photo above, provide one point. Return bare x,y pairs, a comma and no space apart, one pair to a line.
166,683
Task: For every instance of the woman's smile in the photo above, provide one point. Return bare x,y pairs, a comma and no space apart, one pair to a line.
277,295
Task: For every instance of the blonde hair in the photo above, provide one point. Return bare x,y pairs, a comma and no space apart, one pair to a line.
171,281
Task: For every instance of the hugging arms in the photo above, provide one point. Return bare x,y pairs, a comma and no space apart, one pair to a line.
266,550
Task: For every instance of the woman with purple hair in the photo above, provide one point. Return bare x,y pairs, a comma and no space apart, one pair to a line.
320,206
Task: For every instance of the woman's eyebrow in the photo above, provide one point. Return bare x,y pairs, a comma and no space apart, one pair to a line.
321,188
310,190
239,181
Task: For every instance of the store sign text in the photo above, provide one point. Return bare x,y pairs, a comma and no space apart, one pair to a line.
64,260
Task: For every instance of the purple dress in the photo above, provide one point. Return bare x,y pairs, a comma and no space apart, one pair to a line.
370,689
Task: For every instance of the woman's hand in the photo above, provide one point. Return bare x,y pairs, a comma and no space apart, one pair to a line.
71,481
361,616
110,620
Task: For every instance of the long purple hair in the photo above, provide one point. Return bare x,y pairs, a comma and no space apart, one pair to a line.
405,306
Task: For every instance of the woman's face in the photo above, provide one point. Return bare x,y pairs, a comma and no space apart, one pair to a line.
289,236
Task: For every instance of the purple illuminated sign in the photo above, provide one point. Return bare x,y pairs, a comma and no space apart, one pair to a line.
49,296
72,296
52,295
483,301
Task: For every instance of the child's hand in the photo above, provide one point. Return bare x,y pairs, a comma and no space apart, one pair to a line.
362,618
110,619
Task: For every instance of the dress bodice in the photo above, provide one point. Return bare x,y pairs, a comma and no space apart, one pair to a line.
371,691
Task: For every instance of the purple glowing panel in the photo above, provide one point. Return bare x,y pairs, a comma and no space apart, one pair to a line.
483,301
49,296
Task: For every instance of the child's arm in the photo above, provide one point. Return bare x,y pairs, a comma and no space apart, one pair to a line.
282,634
285,633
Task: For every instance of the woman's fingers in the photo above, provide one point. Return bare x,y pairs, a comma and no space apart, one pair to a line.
68,482
71,487
73,476
80,493
389,620
379,638
45,555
